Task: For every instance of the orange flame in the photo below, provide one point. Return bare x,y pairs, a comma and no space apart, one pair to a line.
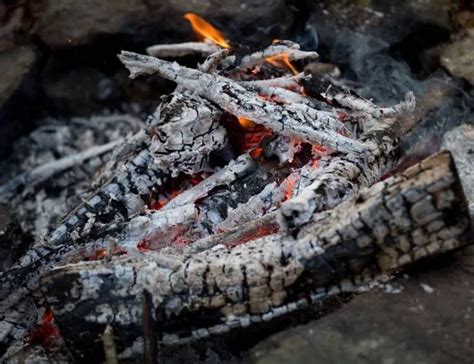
245,123
284,58
206,30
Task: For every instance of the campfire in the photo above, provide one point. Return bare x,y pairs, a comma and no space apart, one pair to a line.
254,191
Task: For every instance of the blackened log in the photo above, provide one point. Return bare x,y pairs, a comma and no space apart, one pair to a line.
421,213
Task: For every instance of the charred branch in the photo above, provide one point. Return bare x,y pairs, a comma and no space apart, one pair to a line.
289,120
182,49
328,91
210,293
339,177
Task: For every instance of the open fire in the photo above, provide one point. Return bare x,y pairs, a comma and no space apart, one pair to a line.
244,199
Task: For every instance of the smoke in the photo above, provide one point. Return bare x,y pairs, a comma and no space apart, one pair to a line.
371,68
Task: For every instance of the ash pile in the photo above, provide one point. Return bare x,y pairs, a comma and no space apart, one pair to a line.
253,192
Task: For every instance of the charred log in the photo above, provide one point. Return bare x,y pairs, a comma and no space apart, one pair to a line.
399,221
340,176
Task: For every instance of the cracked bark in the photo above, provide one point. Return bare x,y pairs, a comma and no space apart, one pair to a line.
401,220
290,120
340,176
156,155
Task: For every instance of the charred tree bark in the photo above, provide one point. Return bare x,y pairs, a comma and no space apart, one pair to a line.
319,127
399,221
161,154
340,176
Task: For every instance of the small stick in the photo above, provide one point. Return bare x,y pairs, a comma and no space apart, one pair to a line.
49,169
110,349
150,343
229,95
328,91
182,49
291,83
213,61
293,54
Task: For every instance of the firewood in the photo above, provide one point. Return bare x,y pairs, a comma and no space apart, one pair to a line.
327,90
286,82
47,170
291,51
125,194
339,177
318,128
182,49
226,175
397,222
212,62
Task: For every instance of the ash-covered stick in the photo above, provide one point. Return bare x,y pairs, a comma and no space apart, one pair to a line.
286,96
47,170
286,82
292,53
226,175
379,232
230,96
212,62
339,177
182,49
326,90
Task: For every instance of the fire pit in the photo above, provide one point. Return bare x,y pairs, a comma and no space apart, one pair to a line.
253,192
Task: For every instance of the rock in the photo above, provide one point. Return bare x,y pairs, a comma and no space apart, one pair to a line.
458,57
80,91
460,141
15,65
412,326
385,19
15,22
62,23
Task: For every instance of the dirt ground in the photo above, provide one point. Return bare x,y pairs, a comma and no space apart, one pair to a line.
427,318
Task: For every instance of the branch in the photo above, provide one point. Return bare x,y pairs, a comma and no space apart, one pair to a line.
319,128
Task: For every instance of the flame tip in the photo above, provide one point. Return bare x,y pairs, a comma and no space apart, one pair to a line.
205,30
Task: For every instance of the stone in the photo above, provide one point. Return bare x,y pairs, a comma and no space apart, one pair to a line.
78,91
411,326
458,57
64,23
15,65
460,141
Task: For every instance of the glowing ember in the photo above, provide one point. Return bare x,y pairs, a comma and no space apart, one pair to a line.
144,245
289,184
46,334
280,59
206,30
245,123
253,137
256,153
319,150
